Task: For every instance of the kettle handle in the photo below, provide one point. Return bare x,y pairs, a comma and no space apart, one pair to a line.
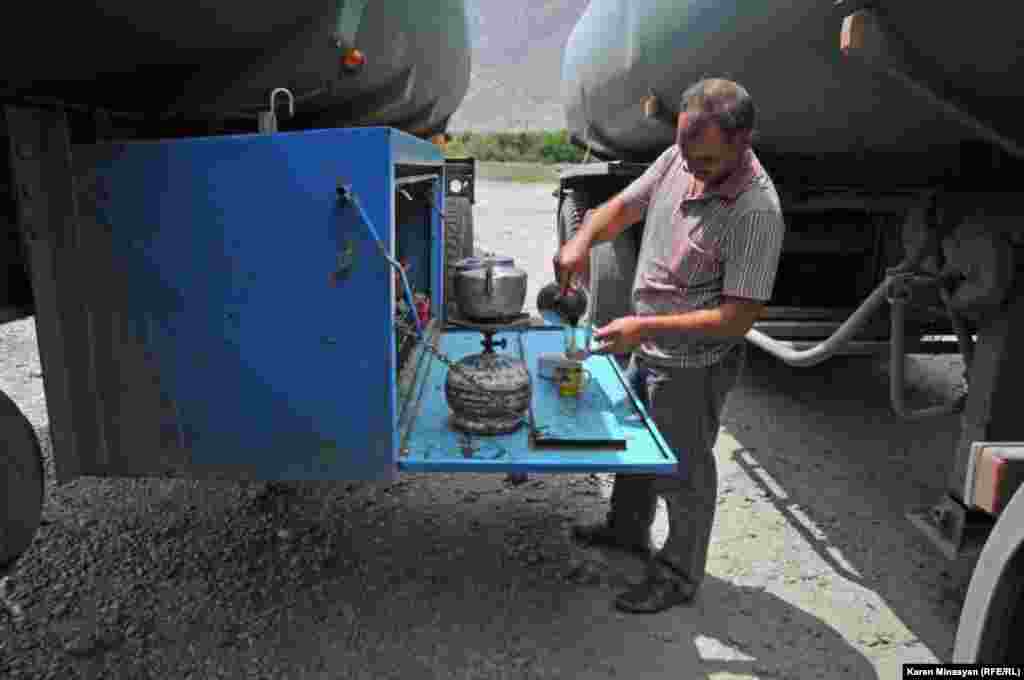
489,281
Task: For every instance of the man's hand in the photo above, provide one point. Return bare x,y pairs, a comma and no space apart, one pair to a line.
572,260
621,335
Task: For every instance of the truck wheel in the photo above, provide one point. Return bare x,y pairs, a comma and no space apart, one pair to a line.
458,244
993,639
613,263
993,612
570,215
21,482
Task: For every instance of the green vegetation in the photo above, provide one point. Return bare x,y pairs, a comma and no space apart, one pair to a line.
527,173
547,147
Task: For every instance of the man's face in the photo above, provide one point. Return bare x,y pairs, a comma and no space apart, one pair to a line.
710,155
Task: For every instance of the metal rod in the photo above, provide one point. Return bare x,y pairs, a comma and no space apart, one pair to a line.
833,344
347,194
413,179
963,336
897,377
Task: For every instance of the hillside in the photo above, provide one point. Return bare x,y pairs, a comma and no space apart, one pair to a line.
517,59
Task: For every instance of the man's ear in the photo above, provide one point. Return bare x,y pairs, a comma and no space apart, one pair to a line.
743,139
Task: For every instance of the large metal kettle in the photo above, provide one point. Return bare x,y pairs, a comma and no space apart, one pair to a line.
489,288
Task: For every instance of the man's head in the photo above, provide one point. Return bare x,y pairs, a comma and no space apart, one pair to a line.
716,126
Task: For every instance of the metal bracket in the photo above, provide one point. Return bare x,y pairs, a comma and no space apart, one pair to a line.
346,262
952,528
655,110
268,119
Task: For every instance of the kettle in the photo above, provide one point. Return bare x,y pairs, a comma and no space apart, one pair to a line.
489,288
557,308
566,310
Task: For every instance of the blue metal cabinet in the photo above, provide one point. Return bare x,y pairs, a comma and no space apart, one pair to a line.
260,298
240,315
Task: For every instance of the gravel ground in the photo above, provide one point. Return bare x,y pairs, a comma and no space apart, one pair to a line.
813,570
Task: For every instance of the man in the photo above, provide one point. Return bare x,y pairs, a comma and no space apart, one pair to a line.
707,265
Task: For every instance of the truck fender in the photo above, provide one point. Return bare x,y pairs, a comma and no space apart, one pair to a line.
994,596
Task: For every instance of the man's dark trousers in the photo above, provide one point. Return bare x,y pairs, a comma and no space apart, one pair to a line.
686,406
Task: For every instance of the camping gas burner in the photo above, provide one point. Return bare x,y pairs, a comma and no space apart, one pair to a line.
490,392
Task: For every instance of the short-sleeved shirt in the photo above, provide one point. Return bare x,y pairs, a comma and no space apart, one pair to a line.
699,247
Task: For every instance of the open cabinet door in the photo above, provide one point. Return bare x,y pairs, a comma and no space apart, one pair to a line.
605,429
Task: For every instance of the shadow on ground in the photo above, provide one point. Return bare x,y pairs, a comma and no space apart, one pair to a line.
829,455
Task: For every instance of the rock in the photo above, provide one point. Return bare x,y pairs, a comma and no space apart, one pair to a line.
81,646
584,573
110,639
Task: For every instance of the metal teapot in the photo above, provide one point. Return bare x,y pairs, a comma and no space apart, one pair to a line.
558,308
489,288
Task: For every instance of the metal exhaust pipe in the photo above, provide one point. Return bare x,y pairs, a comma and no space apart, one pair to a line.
828,348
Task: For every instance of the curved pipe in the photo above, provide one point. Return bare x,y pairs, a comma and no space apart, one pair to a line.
828,348
897,354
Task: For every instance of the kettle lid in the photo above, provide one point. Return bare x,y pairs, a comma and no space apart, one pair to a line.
470,263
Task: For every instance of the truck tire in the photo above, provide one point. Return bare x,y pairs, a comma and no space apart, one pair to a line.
570,214
988,631
458,244
21,482
612,264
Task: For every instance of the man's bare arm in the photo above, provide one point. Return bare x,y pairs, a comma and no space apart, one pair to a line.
607,221
732,319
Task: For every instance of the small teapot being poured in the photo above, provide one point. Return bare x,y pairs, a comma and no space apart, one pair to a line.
566,310
557,308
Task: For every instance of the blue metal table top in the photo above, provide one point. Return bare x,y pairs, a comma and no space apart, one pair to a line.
606,411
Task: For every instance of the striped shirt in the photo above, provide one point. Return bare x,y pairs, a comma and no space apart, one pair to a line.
698,247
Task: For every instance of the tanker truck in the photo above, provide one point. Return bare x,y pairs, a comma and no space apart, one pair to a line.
892,133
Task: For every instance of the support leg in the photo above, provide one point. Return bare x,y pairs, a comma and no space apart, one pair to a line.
41,173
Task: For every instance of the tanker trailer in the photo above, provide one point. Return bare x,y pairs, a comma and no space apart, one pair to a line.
213,85
893,138
342,62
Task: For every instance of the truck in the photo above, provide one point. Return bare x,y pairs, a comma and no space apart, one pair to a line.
238,246
892,138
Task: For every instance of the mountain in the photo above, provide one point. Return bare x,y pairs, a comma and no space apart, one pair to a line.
517,64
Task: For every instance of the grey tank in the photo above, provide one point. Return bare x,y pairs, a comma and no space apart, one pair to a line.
811,99
212,58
